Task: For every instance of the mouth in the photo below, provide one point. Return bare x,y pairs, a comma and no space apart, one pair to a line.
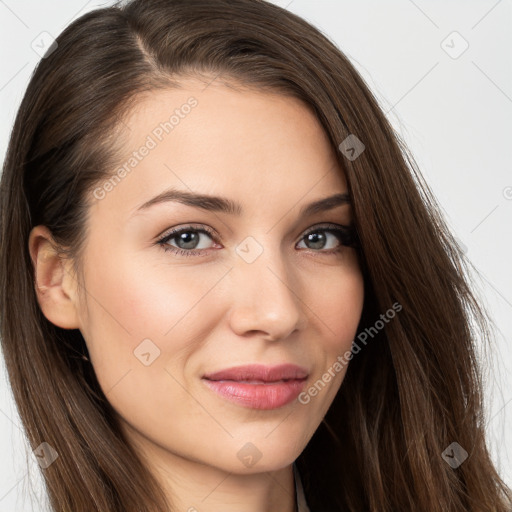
253,381
259,372
258,386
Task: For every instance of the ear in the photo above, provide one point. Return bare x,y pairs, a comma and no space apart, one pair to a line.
55,283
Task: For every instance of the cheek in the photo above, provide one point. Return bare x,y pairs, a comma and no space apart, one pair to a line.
136,309
130,303
337,303
144,323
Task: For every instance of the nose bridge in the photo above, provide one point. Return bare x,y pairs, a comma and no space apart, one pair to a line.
265,298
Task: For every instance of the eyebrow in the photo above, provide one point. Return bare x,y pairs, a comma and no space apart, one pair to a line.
230,207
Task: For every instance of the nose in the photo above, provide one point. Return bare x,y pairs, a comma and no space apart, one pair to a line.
265,298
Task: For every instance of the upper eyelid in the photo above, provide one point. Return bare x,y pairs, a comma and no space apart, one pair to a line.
209,231
176,231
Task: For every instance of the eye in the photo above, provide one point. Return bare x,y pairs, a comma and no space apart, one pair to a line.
321,236
188,240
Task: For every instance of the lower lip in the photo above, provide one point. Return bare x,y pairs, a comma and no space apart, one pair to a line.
258,396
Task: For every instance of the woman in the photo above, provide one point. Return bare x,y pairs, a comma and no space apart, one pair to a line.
235,290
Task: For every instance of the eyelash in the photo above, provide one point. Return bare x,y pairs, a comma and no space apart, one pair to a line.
346,236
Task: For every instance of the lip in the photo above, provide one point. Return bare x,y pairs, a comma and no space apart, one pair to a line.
258,386
259,372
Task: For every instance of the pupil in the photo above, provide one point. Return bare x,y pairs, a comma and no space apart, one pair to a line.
318,239
192,239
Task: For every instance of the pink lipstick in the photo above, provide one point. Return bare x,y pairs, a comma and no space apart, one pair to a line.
258,386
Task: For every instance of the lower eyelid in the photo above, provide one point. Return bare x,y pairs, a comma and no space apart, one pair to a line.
340,233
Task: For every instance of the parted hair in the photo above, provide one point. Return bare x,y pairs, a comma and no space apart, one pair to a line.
415,388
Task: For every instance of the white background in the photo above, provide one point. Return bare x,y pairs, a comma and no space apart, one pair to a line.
455,114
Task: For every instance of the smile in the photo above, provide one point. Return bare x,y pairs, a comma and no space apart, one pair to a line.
257,386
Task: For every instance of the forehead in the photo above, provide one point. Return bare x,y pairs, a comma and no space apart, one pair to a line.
245,144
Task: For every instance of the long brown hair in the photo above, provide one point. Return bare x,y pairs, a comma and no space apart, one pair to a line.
407,395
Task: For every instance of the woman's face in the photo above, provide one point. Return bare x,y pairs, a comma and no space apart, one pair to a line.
240,286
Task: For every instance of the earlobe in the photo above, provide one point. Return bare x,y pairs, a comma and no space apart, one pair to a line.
54,283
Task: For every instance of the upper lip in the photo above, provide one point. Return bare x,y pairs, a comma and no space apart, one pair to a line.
259,372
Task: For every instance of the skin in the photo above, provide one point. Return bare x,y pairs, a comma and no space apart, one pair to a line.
294,303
